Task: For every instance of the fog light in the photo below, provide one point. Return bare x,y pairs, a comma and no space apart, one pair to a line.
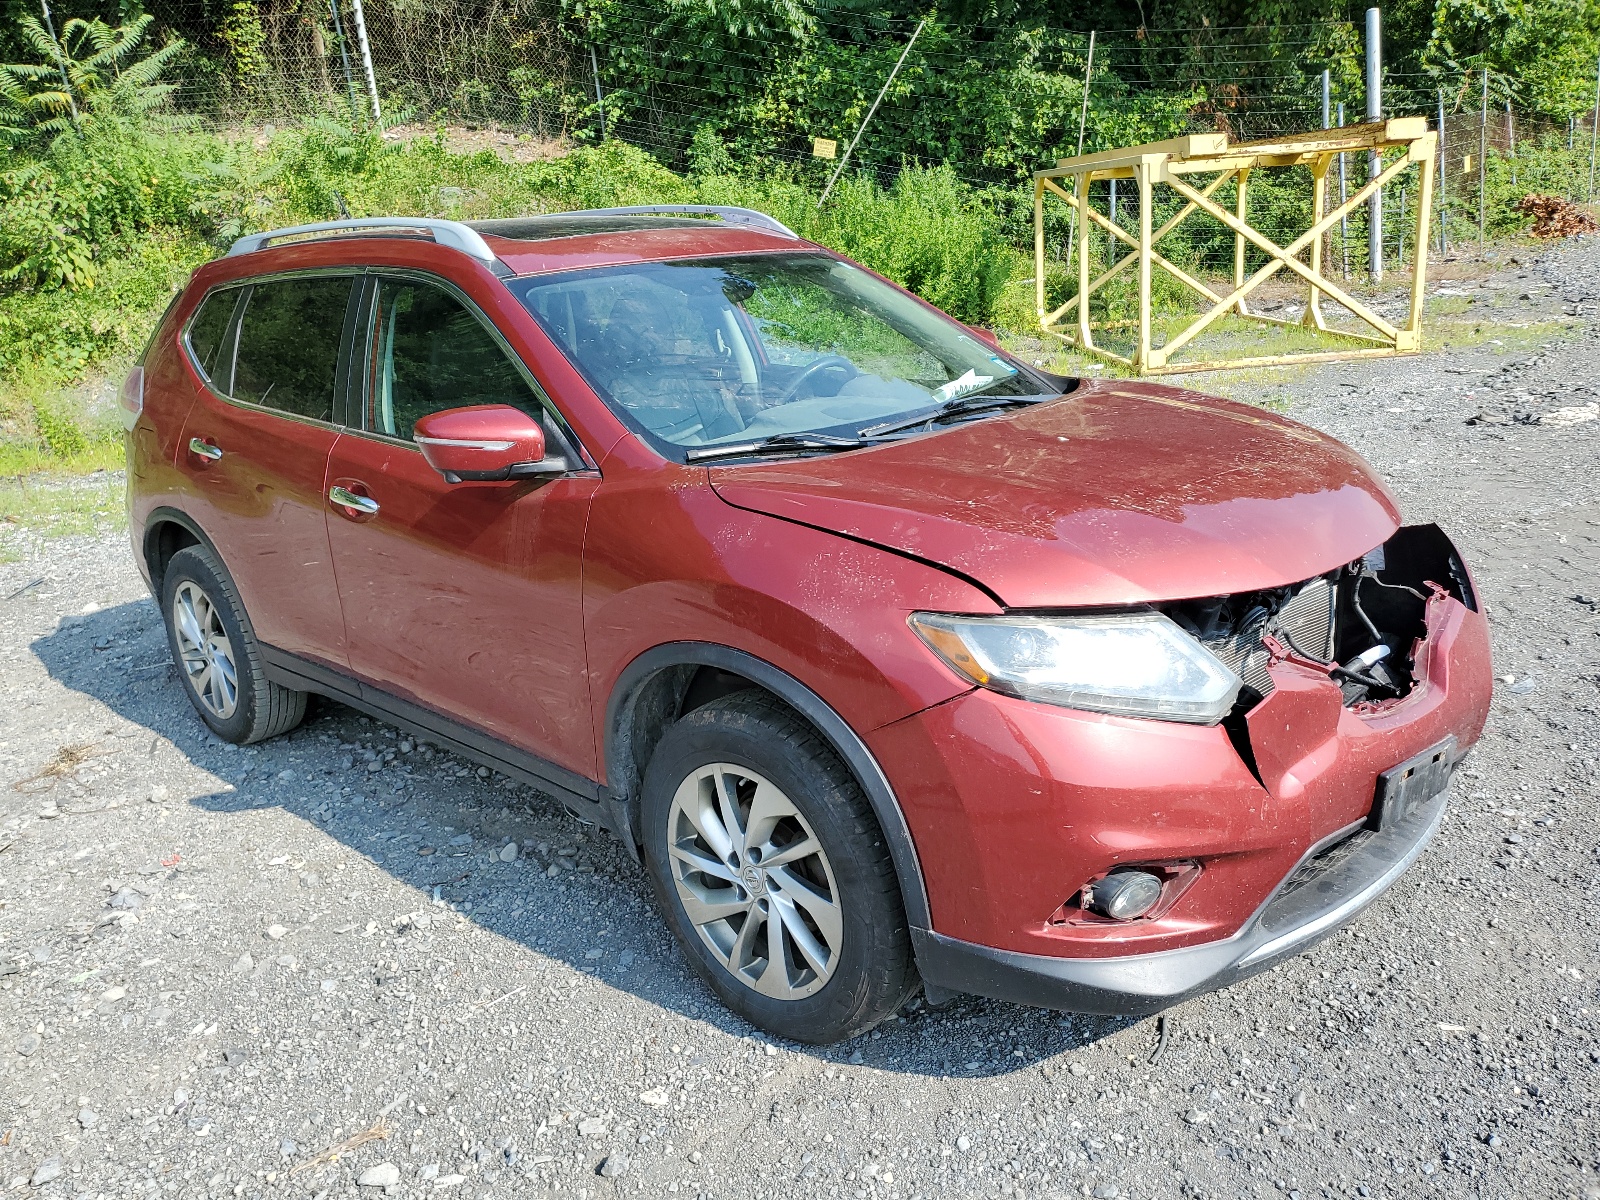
1124,895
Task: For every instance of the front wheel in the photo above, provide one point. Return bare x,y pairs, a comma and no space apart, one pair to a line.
773,873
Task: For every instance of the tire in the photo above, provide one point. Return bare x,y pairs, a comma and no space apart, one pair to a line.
843,960
215,650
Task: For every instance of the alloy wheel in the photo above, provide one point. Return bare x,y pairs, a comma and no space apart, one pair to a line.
205,650
754,881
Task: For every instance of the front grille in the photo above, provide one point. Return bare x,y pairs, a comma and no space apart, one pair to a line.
1329,858
1307,620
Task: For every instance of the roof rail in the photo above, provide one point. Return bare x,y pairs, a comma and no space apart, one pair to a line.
446,233
732,216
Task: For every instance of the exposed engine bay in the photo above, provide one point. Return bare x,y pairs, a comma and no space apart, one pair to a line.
1361,624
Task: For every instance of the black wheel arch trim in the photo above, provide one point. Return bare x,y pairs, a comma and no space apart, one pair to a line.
166,515
844,740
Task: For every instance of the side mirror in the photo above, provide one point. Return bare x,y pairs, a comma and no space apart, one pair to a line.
486,443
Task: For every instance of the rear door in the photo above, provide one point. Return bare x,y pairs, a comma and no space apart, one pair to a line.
256,443
464,598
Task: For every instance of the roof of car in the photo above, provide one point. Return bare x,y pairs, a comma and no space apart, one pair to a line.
562,241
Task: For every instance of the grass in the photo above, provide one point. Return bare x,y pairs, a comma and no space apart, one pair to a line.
60,505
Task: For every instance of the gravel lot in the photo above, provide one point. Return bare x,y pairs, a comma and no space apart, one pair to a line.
341,960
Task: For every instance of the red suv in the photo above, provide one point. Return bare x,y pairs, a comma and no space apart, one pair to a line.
897,661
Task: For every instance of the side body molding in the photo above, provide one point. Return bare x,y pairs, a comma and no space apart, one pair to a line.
620,727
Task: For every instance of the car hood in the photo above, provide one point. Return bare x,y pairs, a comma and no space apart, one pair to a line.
1118,493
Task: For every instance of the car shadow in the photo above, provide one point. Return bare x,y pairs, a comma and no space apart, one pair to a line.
435,822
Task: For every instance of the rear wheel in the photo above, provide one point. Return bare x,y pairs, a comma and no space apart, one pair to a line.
217,654
773,872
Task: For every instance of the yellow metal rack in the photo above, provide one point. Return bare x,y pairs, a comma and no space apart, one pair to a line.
1175,163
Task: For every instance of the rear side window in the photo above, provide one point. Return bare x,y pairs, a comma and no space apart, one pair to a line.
206,331
289,345
429,354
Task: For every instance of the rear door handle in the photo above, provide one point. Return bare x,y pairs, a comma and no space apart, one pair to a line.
345,498
204,449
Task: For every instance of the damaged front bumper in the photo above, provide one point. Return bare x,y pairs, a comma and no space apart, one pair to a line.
1294,920
1269,821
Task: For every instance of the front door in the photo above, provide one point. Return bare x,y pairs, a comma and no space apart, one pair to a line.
255,449
462,598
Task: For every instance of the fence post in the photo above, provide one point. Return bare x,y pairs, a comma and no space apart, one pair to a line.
366,59
1083,119
1483,173
1444,193
1374,161
1344,223
1511,140
344,54
1594,127
61,63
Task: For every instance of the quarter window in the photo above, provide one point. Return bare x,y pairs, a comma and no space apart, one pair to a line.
289,344
207,331
430,353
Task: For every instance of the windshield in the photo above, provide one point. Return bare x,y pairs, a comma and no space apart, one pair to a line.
723,351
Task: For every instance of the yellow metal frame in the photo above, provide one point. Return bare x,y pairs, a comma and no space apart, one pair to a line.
1173,163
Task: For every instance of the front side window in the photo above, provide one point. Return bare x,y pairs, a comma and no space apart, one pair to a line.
713,351
288,351
430,353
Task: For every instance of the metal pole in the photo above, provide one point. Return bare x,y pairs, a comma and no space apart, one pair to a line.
837,171
1344,194
1083,119
1113,205
1088,72
366,59
1594,127
344,53
1327,115
1511,140
1444,205
1483,154
61,64
599,96
1374,162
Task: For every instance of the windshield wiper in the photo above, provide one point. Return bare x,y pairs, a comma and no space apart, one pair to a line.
777,443
959,407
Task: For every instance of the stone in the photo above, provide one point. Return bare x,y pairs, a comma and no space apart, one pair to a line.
508,852
113,994
591,1127
276,932
27,1044
88,1118
613,1166
448,1181
49,1169
384,1175
287,1148
1106,1191
655,1098
127,899
244,964
1077,1069
963,1143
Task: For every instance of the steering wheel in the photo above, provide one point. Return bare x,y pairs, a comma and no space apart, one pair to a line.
826,362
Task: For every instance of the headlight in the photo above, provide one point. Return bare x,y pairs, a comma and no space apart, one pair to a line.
1133,664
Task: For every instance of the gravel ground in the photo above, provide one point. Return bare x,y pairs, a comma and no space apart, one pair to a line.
341,961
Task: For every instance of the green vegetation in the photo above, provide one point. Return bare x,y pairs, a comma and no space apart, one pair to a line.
109,196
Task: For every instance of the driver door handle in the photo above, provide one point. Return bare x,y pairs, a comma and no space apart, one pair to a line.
204,449
345,498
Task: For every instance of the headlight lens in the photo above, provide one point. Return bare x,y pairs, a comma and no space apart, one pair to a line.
1132,664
